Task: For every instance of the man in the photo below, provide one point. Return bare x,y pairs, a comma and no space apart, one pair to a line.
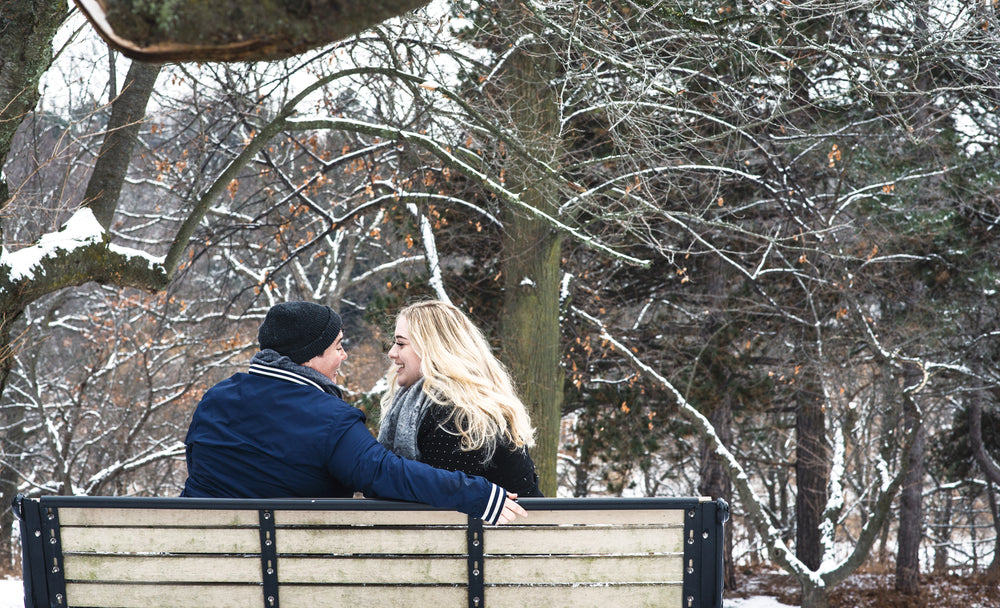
281,430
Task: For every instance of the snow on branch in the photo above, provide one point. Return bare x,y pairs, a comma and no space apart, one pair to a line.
436,280
174,450
830,572
755,507
81,230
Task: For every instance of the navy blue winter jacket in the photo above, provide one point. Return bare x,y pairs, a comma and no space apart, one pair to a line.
257,436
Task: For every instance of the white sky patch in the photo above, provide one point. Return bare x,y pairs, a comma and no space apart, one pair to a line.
79,75
971,136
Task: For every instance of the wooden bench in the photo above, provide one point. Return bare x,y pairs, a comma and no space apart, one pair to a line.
218,553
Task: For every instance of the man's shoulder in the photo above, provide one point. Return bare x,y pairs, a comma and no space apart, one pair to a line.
254,387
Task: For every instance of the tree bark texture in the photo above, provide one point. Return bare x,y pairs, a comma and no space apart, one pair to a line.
811,475
815,597
989,466
992,574
532,335
105,184
233,30
911,502
26,31
715,480
717,404
532,265
910,530
11,442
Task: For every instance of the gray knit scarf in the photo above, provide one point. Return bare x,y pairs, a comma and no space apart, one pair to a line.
398,430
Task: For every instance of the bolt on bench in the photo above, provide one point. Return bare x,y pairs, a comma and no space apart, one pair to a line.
117,552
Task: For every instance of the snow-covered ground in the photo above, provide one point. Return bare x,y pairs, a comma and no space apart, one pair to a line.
12,596
11,593
759,601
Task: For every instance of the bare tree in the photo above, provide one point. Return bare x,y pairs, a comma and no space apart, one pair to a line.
734,201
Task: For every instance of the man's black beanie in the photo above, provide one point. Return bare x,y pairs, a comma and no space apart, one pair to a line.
299,330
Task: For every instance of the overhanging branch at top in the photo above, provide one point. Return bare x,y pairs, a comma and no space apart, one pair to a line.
232,30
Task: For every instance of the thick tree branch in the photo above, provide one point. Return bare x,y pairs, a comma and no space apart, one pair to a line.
127,112
26,39
77,254
232,30
983,458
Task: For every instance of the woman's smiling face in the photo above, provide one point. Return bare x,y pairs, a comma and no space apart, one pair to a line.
404,356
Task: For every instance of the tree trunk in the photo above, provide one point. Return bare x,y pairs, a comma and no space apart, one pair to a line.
811,475
715,481
943,536
531,333
784,514
992,574
26,39
532,253
814,596
127,113
11,445
584,459
910,502
990,468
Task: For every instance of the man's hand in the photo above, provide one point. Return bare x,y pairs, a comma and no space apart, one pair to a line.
511,510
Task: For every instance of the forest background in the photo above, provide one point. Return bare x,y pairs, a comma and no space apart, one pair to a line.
745,249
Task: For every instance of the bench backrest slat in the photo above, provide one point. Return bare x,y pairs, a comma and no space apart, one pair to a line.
160,540
609,595
375,597
338,541
164,596
166,553
580,540
588,517
374,570
614,569
157,518
156,568
369,518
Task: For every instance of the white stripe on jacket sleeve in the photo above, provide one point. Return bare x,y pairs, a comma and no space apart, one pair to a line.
494,506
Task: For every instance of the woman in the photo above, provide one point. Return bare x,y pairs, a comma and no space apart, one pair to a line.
451,403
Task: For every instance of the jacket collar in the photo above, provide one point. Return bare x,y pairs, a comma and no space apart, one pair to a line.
270,364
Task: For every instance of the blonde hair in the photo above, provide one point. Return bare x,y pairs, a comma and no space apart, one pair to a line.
459,370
